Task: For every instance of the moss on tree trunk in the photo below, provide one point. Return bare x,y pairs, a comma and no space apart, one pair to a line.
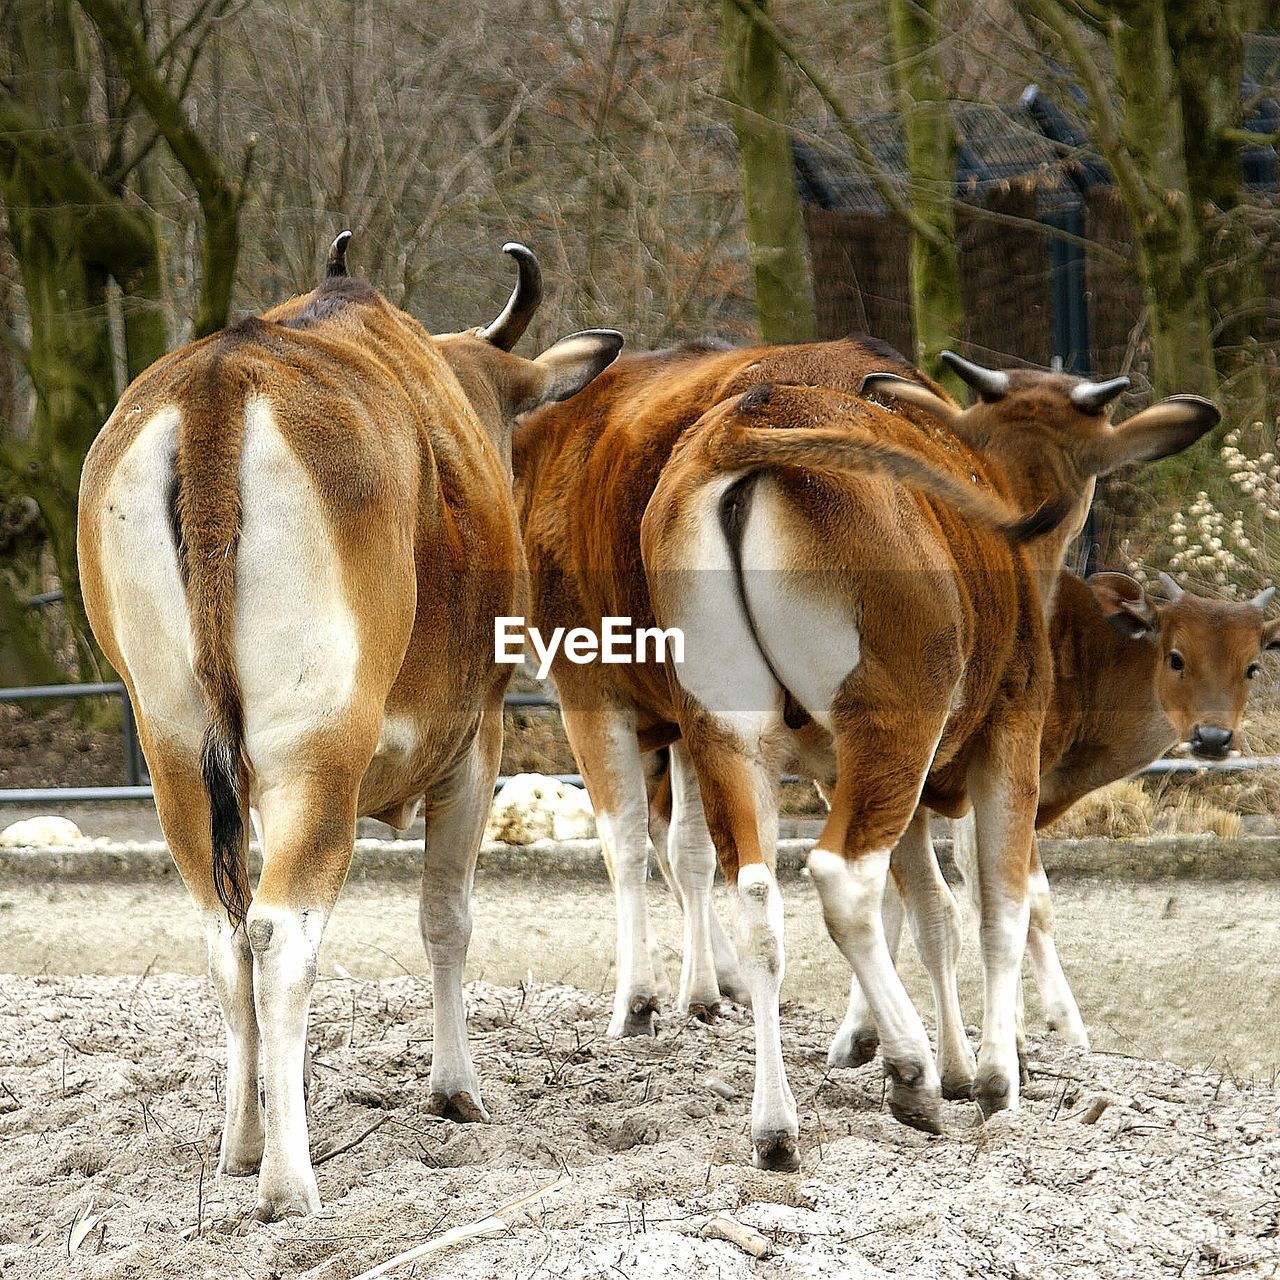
754,84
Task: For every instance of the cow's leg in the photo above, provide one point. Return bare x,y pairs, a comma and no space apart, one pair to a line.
692,835
657,777
183,806
880,772
1061,1010
604,743
1004,787
455,816
935,927
739,791
693,868
857,1040
308,822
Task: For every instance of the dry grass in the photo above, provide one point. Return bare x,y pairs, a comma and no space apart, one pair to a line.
1129,810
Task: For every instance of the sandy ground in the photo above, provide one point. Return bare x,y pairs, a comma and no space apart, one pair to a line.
109,1118
112,1064
1178,969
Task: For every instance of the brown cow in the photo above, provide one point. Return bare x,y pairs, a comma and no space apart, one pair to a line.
294,538
584,473
587,477
1132,678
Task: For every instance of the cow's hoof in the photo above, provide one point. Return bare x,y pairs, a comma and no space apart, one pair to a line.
957,1088
245,1168
462,1107
641,1018
856,1051
777,1153
992,1092
911,1101
291,1200
703,1011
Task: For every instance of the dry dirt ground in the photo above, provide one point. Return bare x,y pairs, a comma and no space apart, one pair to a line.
1174,968
109,1116
112,1063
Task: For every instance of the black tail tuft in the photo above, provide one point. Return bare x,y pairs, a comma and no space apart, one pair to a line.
221,772
1044,519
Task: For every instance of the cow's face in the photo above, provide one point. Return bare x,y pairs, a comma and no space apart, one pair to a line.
1210,651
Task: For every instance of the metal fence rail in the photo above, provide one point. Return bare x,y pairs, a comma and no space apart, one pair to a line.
135,766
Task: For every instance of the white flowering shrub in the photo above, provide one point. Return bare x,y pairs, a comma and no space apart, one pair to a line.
1229,553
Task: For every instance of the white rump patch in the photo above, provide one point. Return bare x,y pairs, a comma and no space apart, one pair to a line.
140,571
297,648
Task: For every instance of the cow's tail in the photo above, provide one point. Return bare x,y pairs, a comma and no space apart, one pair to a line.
205,508
737,444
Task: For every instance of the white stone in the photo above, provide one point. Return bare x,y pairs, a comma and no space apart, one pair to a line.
533,807
41,833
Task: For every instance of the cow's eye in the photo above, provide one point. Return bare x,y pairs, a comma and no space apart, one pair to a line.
1175,660
1251,670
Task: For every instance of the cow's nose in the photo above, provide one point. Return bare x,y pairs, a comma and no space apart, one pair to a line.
1209,740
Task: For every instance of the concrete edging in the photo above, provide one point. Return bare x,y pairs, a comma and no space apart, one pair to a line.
1187,857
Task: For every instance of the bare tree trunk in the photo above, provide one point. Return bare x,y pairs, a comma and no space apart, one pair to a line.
1167,226
937,309
1207,40
1145,146
754,84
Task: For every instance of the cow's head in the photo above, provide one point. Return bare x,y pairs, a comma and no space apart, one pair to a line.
501,385
1051,433
1209,652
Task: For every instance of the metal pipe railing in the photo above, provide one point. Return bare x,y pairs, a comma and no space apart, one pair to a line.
135,765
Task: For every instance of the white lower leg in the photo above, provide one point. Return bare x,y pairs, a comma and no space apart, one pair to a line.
728,973
285,945
636,998
1004,935
857,1039
852,896
446,933
774,1126
693,867
1061,1010
231,968
935,928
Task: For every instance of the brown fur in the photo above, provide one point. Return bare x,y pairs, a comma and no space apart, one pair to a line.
1117,702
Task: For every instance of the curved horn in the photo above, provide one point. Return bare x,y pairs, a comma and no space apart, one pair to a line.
1171,588
1263,598
990,384
1093,397
505,331
336,265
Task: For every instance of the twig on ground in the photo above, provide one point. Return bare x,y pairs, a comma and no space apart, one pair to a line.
353,1142
485,1226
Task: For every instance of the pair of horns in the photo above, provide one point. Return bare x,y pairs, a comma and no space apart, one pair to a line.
992,384
503,332
1175,592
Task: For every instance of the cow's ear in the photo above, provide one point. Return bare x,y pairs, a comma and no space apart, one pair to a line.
1124,603
1163,429
1271,634
888,387
565,367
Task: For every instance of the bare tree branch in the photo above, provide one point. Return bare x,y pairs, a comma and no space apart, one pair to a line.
220,197
879,179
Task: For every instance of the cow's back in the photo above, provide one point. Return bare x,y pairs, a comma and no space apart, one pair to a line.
586,469
300,448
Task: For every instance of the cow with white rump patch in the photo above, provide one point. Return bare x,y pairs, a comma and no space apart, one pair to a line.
1132,677
837,608
294,537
